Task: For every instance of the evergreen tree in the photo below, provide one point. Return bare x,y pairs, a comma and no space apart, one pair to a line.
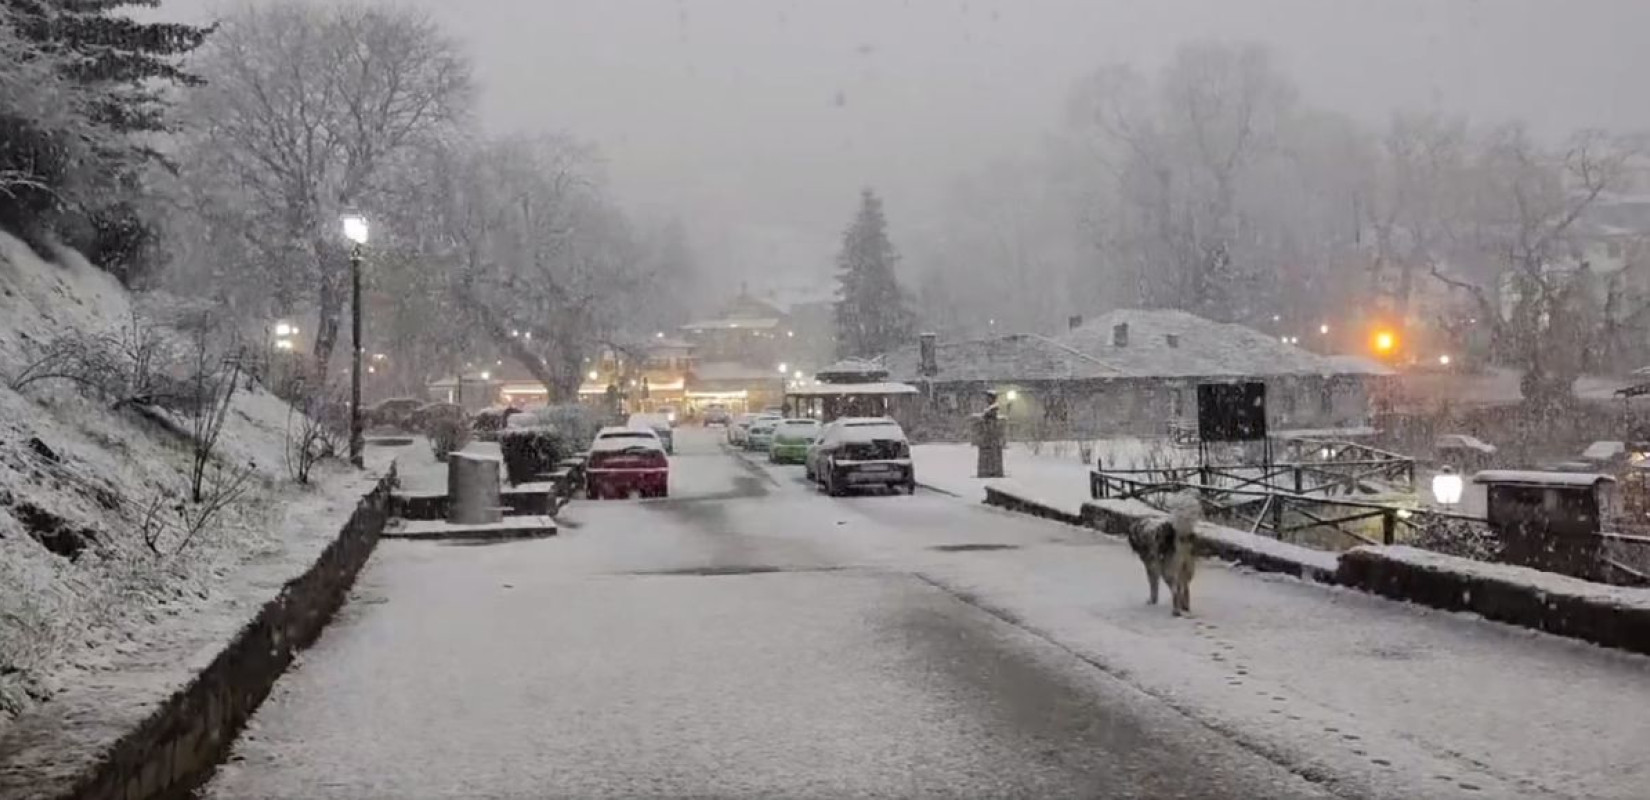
85,179
872,316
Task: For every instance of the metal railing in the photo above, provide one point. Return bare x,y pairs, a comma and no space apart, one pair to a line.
1257,506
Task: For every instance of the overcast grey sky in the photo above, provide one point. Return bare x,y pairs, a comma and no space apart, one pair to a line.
758,120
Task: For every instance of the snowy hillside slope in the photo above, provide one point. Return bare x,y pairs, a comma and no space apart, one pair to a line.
79,585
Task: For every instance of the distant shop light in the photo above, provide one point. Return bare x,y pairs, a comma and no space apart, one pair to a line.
593,375
1444,360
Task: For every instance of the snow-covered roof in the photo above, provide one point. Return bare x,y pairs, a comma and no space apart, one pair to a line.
836,389
1603,451
1198,348
853,368
1535,478
732,324
1015,357
733,371
1160,344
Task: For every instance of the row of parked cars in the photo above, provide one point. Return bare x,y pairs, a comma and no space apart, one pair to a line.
838,456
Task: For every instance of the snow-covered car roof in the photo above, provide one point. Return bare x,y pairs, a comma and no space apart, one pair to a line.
614,439
764,423
868,429
860,422
799,423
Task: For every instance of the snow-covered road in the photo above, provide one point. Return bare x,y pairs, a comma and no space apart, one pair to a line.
752,637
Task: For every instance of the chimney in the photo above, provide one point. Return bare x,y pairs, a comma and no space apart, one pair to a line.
1074,322
928,363
1173,340
1120,335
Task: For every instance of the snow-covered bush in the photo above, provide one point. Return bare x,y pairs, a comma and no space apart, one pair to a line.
309,438
135,365
446,435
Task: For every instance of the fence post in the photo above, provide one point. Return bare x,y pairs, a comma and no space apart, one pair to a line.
1389,527
1297,470
1277,516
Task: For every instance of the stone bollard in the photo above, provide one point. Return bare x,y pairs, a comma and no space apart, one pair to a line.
473,488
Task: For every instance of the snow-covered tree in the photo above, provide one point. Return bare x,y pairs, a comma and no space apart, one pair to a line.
872,314
85,88
1519,245
305,111
539,264
1178,153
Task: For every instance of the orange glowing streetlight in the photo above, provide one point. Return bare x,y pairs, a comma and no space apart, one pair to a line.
1385,342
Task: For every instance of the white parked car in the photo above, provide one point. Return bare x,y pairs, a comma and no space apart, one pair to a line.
659,424
855,452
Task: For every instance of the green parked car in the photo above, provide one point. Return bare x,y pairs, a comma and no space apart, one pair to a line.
791,439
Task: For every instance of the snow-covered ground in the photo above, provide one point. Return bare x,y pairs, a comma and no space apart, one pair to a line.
1050,472
620,624
98,618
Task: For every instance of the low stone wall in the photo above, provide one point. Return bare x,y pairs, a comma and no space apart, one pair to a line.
1607,615
1012,502
178,746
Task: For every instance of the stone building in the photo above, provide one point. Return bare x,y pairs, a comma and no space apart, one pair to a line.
1131,372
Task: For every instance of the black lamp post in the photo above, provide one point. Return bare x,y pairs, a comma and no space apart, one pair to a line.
355,230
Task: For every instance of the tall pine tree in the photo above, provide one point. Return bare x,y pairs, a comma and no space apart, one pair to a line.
86,179
872,315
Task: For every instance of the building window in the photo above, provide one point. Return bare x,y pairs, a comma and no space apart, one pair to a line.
1177,403
1289,398
1326,398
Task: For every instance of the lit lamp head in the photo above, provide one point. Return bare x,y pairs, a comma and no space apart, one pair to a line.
1447,487
355,228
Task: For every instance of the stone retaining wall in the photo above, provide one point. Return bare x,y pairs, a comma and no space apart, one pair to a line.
1611,616
1012,502
176,749
1606,615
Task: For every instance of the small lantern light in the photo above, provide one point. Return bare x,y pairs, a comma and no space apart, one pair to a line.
1447,487
355,228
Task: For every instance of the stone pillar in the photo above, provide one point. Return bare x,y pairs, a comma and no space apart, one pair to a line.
473,488
988,441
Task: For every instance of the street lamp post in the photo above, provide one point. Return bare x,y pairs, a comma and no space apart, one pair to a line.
355,230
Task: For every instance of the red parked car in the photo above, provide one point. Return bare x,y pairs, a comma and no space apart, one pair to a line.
625,462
